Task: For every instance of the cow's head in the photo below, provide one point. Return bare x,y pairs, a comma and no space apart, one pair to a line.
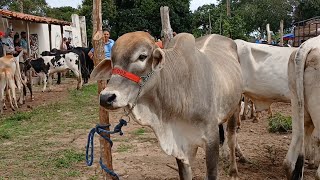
135,53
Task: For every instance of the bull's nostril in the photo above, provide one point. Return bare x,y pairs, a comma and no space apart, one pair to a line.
111,98
107,99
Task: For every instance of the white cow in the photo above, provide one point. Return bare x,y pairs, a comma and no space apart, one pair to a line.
264,70
304,83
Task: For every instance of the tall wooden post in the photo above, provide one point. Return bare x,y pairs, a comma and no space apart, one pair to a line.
166,27
268,33
99,55
281,33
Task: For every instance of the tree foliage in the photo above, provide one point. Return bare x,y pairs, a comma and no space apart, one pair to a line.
35,7
62,13
306,9
122,16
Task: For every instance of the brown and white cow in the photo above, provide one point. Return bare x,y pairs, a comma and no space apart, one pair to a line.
10,78
264,69
192,87
304,84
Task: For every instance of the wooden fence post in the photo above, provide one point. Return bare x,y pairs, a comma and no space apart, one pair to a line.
99,55
268,33
281,33
166,27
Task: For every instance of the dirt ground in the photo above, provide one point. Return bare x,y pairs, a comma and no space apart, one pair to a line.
137,154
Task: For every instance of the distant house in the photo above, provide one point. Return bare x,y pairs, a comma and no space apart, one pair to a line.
45,33
305,30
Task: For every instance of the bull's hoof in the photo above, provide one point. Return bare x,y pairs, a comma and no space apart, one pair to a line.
244,160
255,120
238,129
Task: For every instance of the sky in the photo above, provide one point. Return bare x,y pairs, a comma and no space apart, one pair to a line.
74,3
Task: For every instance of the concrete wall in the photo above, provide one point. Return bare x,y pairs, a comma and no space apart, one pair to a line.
56,38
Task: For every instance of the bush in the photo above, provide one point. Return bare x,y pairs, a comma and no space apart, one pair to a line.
280,123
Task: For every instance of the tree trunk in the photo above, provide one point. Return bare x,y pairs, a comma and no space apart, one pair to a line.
98,45
166,27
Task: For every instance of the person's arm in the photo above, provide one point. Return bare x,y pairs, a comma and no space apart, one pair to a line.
90,54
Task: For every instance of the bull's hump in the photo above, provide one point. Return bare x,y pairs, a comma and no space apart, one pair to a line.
183,41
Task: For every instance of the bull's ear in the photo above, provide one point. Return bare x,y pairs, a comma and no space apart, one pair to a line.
158,59
102,71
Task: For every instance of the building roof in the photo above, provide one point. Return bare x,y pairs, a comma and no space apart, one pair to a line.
31,18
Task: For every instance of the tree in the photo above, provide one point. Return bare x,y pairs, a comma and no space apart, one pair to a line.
62,13
124,16
257,14
306,9
34,7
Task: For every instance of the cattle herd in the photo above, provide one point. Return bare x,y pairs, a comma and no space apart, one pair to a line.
15,73
191,91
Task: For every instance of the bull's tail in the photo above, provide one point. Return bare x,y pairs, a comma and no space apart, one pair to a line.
299,66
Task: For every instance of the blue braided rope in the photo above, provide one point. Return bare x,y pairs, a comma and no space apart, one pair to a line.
101,130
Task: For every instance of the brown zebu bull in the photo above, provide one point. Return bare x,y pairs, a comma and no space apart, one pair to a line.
10,78
191,88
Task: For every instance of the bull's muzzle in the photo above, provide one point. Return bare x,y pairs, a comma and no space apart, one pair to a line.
106,100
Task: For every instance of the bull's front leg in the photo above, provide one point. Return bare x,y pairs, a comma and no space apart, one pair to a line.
2,89
185,172
212,153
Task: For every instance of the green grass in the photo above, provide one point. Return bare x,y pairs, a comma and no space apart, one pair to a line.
67,157
124,148
139,131
280,123
40,140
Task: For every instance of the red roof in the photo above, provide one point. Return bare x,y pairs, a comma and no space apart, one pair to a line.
32,18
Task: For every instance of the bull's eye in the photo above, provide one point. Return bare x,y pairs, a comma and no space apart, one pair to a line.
142,57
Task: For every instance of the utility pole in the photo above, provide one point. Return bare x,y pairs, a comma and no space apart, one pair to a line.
209,23
98,45
228,8
229,15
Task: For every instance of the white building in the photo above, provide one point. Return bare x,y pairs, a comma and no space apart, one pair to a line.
45,33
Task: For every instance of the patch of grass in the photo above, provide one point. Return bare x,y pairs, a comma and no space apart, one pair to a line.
124,148
94,177
280,123
73,173
67,158
139,131
40,139
8,125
